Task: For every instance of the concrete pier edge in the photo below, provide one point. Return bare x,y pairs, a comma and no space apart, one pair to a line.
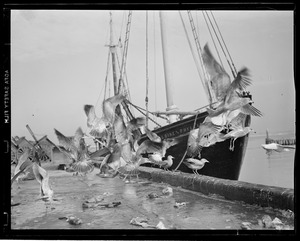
257,194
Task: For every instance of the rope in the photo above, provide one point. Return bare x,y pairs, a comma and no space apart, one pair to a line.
154,46
194,57
139,109
233,73
147,76
224,42
106,79
186,147
199,51
125,76
121,29
213,40
124,57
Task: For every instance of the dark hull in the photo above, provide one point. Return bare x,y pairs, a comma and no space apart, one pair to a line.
223,163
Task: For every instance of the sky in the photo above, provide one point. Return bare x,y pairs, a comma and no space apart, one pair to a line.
59,64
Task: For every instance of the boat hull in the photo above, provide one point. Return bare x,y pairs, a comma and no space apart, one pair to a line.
223,163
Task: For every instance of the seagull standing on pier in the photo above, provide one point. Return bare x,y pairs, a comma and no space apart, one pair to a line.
165,164
195,164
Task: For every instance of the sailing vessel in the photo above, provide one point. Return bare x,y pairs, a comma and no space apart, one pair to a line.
223,162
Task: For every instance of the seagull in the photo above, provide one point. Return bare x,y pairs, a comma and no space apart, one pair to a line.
136,123
195,164
155,158
125,134
131,168
42,176
236,133
219,79
197,137
97,126
149,146
75,148
165,164
234,100
213,139
151,135
277,147
116,159
24,163
109,106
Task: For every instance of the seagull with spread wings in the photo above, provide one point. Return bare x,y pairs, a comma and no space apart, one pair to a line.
109,106
97,127
75,148
219,79
24,163
234,100
198,137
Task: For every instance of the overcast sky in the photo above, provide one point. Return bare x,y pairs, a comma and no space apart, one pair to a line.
59,63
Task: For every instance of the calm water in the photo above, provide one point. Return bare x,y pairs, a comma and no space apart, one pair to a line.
276,169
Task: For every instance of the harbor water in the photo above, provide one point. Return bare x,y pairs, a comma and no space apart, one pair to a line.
274,169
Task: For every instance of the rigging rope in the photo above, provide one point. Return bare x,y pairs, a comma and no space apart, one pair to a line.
124,57
154,46
233,73
125,76
213,40
193,54
147,77
186,147
106,77
121,30
224,43
199,51
139,109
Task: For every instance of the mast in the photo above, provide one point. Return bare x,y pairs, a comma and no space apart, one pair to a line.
168,79
112,48
117,83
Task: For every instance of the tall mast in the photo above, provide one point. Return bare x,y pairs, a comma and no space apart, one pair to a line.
117,83
168,79
112,48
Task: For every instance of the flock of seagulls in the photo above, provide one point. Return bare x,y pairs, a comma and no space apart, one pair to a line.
227,120
121,138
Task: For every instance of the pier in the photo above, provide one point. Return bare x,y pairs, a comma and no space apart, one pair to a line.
156,200
256,194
